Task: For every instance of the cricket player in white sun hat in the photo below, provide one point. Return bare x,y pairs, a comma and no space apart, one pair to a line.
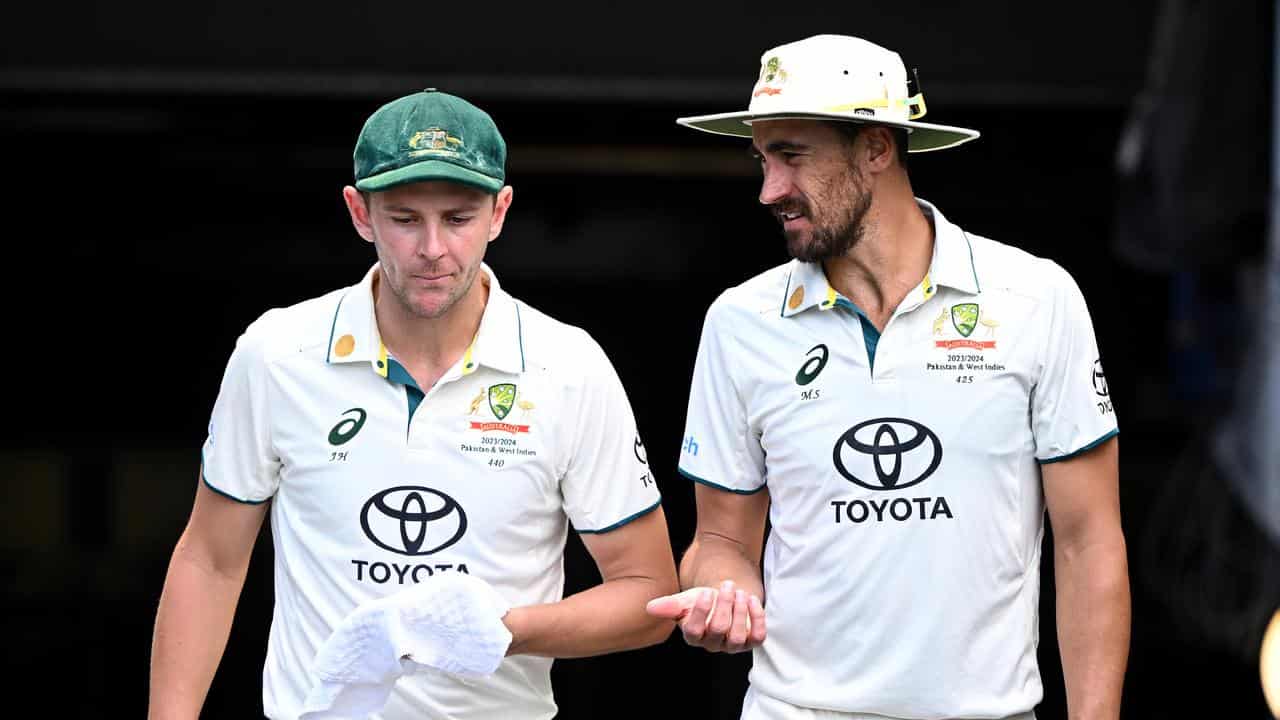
901,402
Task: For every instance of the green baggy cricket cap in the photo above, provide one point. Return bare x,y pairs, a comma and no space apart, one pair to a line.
430,135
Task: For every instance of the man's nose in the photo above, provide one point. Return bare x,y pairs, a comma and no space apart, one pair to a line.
775,186
431,243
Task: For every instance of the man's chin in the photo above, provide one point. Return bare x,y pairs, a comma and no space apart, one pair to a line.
800,246
430,306
433,310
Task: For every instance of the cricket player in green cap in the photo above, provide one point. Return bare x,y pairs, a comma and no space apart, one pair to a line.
417,425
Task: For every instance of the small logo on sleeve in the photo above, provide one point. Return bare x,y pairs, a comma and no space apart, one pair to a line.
1100,380
646,479
690,446
1101,389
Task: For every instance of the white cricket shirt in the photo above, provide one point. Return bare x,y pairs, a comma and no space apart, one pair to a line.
902,566
375,484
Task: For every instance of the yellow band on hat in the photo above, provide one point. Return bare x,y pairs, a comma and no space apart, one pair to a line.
854,106
915,104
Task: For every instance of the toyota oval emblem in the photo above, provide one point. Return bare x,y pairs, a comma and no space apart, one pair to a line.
413,520
1100,380
887,454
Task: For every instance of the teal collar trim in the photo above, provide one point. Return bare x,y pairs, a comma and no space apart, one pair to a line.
870,338
413,394
328,355
397,373
870,335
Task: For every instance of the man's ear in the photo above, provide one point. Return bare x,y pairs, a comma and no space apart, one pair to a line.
878,148
501,203
359,211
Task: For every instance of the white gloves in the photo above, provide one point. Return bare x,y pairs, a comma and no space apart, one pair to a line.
451,623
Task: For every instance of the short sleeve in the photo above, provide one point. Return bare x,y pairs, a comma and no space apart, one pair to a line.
1071,406
238,459
607,482
719,449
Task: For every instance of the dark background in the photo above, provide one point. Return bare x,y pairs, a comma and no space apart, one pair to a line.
173,171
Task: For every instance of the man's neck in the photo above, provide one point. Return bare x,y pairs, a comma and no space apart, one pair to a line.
428,347
889,260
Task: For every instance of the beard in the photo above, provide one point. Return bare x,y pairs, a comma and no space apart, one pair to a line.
836,232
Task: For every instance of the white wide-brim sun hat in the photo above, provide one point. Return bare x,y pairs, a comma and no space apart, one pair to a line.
835,77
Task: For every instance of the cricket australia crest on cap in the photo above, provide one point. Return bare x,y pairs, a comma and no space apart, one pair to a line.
434,141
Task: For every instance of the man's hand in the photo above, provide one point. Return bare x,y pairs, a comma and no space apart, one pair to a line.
725,620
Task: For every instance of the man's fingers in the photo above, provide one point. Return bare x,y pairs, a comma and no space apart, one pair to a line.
694,624
723,619
756,612
673,607
722,616
741,623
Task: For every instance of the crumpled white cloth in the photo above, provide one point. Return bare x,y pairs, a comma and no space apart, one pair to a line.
451,623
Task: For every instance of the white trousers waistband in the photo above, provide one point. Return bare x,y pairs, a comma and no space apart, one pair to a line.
758,706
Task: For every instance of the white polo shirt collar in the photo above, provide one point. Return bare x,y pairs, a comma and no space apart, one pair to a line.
499,343
952,266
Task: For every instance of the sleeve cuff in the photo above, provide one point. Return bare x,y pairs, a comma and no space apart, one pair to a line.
708,483
623,521
205,479
1084,449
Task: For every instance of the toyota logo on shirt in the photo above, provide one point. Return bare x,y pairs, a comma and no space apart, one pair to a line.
413,520
1100,380
887,454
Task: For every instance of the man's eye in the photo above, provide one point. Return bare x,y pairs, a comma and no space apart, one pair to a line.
401,219
460,219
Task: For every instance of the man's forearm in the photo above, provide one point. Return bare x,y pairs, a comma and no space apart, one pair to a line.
609,617
192,626
711,559
1093,626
